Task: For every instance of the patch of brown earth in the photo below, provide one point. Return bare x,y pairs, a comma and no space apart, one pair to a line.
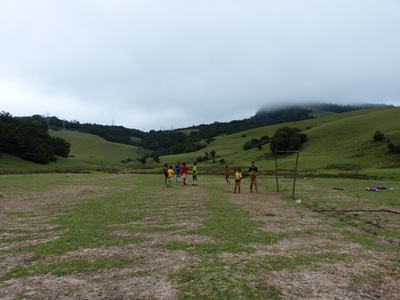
364,274
145,278
346,280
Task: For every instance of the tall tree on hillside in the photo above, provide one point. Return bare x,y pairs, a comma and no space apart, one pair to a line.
287,139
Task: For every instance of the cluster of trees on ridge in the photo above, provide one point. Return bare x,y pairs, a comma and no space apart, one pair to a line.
30,140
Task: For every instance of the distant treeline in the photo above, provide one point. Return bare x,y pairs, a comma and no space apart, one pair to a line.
175,141
30,140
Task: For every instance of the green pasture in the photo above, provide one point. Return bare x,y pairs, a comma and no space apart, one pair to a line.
88,147
207,224
339,145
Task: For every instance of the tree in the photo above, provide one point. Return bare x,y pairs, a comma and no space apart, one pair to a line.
30,139
60,146
287,138
265,139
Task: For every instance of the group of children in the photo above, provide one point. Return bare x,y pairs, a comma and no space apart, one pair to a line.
253,171
181,170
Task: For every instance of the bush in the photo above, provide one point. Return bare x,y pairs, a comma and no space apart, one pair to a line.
256,143
247,146
142,160
378,136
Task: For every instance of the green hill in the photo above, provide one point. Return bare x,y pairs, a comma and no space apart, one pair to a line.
87,147
88,152
338,144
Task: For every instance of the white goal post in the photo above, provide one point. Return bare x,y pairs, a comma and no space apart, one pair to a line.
295,170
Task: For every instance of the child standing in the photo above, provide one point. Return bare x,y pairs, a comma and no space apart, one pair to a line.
178,170
238,178
170,173
227,175
253,171
184,171
165,173
194,174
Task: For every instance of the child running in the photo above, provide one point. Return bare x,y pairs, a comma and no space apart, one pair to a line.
238,178
170,173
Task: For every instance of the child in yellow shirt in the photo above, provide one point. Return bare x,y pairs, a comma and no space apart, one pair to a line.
238,178
169,179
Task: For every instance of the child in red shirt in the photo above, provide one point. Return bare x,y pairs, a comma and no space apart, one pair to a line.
227,175
184,171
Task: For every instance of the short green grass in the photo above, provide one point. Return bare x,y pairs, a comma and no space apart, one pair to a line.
110,203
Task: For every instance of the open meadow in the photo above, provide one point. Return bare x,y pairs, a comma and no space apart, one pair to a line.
127,236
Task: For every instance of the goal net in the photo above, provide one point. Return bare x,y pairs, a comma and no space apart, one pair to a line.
285,174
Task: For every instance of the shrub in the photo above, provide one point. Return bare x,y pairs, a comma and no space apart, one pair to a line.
378,136
256,143
247,146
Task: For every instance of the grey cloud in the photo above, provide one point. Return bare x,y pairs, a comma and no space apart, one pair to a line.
198,62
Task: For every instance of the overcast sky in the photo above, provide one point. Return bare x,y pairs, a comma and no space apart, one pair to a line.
159,64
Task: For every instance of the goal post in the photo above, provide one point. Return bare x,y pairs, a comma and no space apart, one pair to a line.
294,173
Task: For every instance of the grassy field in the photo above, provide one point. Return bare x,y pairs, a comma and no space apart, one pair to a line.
127,236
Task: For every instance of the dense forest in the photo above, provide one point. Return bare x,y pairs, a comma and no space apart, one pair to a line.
30,140
175,141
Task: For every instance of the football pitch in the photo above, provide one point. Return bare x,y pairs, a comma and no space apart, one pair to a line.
127,236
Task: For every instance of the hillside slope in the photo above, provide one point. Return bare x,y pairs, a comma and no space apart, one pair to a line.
88,152
337,143
86,146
